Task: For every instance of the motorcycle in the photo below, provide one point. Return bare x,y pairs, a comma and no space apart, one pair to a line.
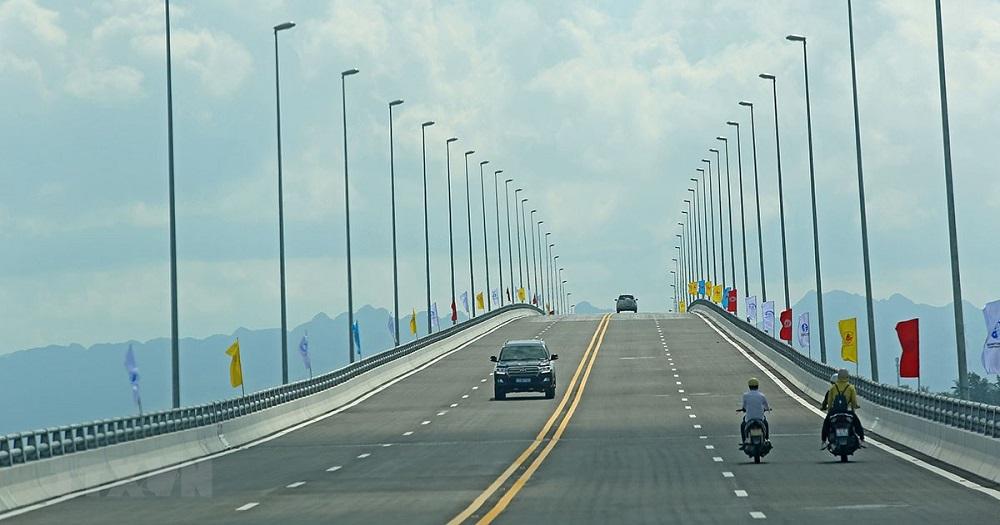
842,439
756,445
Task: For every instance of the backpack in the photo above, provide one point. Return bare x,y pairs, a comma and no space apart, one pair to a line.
839,404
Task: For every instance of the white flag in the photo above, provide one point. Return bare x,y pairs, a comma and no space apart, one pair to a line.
751,306
804,330
768,315
991,348
133,376
435,321
496,296
465,301
304,352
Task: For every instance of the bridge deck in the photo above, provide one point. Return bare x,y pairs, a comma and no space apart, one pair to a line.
630,453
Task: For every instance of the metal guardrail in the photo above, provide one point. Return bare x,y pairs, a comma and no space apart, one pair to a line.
41,444
975,417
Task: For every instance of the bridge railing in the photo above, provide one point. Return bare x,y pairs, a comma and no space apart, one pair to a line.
40,444
975,417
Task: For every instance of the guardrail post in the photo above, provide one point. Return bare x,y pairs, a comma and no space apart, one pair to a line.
5,458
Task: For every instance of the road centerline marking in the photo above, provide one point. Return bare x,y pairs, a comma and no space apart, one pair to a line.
480,500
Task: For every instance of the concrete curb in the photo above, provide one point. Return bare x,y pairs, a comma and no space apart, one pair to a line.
975,453
30,483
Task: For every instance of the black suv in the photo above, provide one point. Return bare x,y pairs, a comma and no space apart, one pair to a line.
626,303
524,366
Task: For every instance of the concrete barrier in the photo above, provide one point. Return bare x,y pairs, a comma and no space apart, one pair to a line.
29,483
972,452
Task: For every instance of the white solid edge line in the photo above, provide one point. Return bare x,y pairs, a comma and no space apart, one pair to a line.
265,439
993,493
248,506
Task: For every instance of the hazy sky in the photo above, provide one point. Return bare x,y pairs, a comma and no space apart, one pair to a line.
600,110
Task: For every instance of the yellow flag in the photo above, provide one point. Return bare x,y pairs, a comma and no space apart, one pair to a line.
709,288
717,294
479,301
520,294
682,307
849,339
692,288
413,322
235,366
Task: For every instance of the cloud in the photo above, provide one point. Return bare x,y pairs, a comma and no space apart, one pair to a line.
220,63
109,84
42,23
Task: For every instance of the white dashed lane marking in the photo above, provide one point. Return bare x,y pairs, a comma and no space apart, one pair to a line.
443,412
466,396
697,426
717,459
334,468
757,515
295,485
425,422
740,493
709,447
408,433
363,456
248,506
453,405
727,475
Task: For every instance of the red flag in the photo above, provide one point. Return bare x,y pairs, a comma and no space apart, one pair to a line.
454,312
786,325
909,339
731,305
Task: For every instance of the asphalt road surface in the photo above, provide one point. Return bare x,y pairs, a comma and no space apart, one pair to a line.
643,430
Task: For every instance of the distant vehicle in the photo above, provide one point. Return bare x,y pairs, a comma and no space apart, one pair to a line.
524,366
626,303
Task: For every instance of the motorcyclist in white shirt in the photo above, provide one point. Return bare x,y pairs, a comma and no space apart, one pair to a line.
754,407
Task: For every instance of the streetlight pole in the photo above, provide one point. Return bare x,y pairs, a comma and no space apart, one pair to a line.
812,189
556,299
956,282
518,216
427,231
451,241
781,194
496,203
486,239
392,200
548,273
538,269
695,229
534,260
756,191
524,227
510,249
869,302
722,238
707,197
281,209
347,213
743,228
468,214
729,203
175,370
689,275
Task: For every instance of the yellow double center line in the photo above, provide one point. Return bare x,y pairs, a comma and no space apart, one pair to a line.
584,368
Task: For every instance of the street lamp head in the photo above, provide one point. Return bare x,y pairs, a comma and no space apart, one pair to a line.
706,160
484,162
523,200
556,257
349,72
695,180
428,123
713,150
396,102
508,181
284,26
767,76
733,123
470,152
724,139
796,38
533,211
497,172
745,103
449,141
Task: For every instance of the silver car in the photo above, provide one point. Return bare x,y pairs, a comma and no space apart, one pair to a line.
626,303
